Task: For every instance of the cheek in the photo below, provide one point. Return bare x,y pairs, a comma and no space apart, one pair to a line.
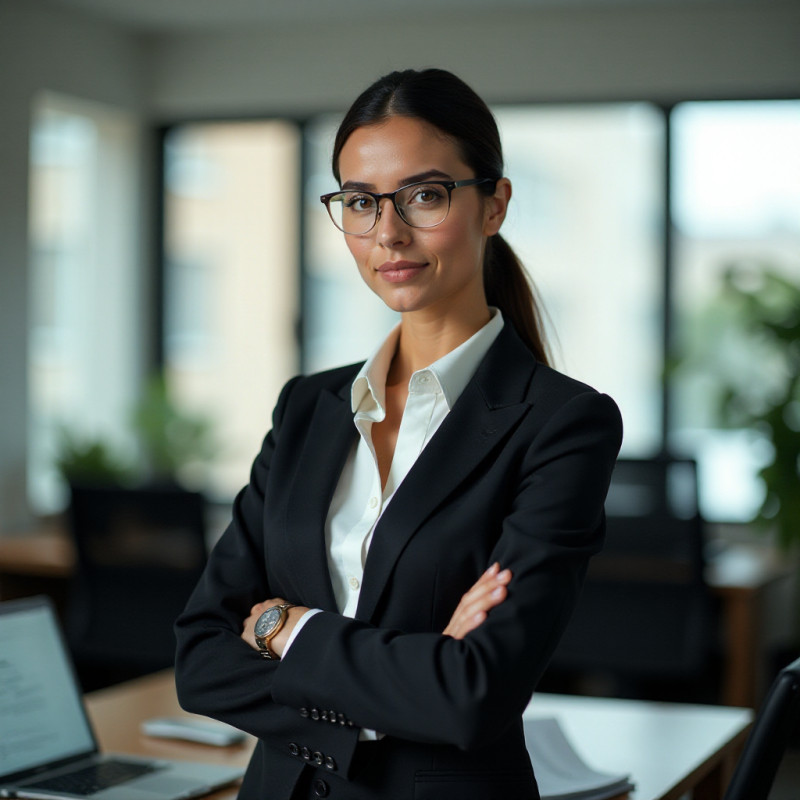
458,241
359,249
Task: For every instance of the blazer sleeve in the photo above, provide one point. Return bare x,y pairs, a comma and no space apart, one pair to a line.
216,673
432,688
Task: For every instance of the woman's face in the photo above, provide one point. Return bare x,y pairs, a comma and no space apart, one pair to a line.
438,270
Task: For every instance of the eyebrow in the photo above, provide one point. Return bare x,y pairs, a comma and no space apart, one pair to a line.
428,175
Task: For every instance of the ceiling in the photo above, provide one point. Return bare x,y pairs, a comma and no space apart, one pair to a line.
181,15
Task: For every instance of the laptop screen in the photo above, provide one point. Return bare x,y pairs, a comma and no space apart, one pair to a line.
41,710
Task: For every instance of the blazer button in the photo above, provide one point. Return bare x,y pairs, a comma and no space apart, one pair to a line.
332,716
306,753
314,713
321,789
323,715
342,719
294,748
330,763
317,758
304,712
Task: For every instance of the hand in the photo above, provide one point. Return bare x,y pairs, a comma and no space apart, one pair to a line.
279,641
486,593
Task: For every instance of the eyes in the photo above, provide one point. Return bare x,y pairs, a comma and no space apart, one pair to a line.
420,205
355,202
426,194
418,194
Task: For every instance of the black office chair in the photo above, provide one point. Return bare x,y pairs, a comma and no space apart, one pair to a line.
645,613
763,751
140,554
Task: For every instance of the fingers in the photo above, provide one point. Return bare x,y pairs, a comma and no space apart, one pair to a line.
487,583
485,594
260,608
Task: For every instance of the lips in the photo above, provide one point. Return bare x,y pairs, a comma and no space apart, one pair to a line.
399,271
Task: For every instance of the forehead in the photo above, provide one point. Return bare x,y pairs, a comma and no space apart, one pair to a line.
401,147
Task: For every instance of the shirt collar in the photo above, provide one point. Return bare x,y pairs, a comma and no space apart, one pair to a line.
368,393
451,373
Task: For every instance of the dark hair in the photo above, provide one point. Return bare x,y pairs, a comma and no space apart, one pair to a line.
443,100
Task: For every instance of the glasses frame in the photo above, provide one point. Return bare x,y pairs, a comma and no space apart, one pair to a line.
325,199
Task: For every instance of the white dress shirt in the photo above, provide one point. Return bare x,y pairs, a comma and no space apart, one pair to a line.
359,501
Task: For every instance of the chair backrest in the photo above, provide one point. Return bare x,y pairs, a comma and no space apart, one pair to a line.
765,745
645,610
140,553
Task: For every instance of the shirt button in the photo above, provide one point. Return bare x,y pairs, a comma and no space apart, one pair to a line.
354,583
373,502
424,378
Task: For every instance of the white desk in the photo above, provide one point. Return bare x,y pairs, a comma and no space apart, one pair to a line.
668,749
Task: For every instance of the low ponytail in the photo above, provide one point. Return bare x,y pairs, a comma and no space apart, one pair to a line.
509,288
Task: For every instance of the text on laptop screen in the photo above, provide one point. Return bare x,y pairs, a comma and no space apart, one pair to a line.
41,716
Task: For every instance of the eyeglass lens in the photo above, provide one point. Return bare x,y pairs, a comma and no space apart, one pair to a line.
421,205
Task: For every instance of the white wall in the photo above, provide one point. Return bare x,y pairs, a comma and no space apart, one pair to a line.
657,51
41,49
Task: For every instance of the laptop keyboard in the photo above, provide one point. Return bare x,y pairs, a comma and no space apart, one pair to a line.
88,780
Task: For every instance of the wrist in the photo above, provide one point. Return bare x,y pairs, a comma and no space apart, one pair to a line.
281,638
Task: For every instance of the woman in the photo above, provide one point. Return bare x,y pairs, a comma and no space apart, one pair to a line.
416,529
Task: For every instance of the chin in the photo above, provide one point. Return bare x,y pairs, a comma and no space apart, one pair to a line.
405,305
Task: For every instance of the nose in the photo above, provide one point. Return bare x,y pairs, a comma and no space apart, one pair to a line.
390,227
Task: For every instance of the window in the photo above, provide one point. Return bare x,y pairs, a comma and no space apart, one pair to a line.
231,281
736,203
83,352
586,220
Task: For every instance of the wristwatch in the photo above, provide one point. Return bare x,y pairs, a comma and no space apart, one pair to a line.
267,627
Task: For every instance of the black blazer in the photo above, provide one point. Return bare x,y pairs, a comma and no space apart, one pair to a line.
517,473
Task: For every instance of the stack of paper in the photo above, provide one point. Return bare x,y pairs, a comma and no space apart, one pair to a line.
560,771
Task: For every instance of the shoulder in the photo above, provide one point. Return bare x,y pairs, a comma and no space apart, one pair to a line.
551,395
568,409
550,386
511,368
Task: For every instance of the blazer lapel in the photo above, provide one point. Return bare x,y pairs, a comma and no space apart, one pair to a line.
491,404
330,436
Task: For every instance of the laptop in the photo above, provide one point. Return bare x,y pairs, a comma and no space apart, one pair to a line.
47,746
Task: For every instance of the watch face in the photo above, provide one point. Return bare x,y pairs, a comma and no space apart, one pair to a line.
267,621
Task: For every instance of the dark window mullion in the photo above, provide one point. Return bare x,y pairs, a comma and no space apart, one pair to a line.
668,272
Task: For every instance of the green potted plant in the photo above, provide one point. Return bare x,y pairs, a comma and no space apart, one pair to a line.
173,445
750,344
91,460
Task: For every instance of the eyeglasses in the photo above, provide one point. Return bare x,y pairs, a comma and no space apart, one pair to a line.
420,205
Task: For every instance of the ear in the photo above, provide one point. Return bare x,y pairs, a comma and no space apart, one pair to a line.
496,207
